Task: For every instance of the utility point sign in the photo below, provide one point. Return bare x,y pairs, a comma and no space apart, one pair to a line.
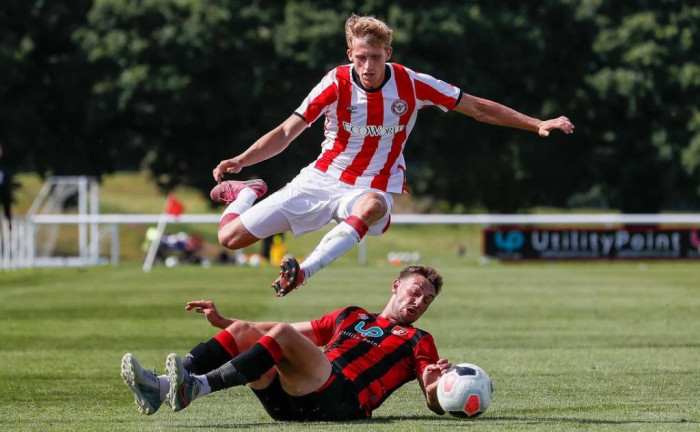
512,243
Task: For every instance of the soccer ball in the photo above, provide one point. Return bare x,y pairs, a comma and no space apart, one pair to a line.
465,390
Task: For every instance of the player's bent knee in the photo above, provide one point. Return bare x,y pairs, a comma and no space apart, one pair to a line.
227,240
229,243
370,208
281,329
284,334
239,327
234,239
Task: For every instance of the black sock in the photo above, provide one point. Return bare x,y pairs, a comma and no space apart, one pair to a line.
224,377
205,357
247,367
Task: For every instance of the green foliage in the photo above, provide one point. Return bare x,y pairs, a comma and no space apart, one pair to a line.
515,54
179,74
174,86
44,89
645,86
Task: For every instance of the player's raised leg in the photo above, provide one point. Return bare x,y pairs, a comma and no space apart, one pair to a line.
224,346
240,196
368,209
206,357
305,368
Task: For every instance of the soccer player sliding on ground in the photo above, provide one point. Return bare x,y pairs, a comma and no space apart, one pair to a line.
366,357
370,107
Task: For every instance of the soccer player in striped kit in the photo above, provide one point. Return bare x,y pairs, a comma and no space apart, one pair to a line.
370,107
366,357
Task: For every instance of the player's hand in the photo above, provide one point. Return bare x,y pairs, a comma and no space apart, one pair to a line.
443,364
209,310
230,166
429,382
433,372
562,123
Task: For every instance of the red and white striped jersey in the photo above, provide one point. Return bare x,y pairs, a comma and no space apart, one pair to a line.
366,130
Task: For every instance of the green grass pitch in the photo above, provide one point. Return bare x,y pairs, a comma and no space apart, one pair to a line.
569,346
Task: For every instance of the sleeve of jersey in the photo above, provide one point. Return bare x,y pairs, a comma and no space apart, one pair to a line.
324,327
433,92
320,97
425,353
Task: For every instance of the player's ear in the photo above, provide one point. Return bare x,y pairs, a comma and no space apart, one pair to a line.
389,51
349,54
395,286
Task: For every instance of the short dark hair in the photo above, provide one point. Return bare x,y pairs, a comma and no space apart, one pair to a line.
427,272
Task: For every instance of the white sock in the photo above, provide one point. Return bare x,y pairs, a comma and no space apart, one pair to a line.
243,202
164,386
335,243
204,388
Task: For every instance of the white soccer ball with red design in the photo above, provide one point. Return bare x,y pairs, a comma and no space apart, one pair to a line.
465,390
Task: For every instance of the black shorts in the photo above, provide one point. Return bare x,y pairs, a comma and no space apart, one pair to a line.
335,401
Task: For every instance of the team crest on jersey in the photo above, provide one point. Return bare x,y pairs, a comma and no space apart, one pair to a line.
399,331
399,107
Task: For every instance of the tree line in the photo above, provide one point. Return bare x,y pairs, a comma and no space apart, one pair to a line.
90,87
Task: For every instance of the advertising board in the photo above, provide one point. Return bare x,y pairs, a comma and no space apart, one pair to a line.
517,243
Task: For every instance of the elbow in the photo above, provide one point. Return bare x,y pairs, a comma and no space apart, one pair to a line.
480,116
483,113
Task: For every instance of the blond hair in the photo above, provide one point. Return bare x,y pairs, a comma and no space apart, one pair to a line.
368,29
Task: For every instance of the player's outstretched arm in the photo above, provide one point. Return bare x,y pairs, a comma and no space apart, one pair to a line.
269,145
208,308
429,381
491,112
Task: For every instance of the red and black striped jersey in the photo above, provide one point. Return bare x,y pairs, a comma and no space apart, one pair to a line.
366,130
376,355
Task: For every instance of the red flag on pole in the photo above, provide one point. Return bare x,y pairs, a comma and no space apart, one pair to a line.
173,206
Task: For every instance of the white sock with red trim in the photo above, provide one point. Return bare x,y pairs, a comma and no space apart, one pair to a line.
245,199
335,243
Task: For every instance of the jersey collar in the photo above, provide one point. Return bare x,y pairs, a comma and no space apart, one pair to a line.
356,79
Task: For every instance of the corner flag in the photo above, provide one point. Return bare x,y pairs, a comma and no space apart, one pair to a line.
173,207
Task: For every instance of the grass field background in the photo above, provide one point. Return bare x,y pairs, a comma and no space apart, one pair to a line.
570,346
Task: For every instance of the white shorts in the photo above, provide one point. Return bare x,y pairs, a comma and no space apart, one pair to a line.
307,203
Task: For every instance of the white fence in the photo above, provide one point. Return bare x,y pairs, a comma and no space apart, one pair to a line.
18,249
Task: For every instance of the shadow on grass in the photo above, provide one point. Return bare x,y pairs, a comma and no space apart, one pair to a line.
446,419
582,421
